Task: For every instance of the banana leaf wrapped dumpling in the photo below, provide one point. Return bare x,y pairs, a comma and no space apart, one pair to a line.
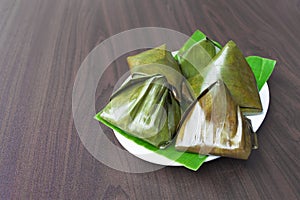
144,107
230,66
215,125
159,55
160,61
196,58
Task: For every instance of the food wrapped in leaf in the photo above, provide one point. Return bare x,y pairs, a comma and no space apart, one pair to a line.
160,61
215,125
144,107
196,84
197,57
158,55
230,66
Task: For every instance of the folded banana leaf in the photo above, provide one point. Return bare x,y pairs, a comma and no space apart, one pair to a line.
160,61
158,55
215,125
230,66
196,58
262,69
196,37
145,107
196,83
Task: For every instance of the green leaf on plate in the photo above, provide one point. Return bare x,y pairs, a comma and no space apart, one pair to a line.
189,160
262,69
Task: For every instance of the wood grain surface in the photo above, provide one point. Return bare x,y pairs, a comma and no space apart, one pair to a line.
44,42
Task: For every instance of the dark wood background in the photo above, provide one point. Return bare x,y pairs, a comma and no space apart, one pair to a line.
43,43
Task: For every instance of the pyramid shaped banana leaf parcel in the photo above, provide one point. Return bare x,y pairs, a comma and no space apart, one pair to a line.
160,61
230,66
158,55
144,107
196,58
214,124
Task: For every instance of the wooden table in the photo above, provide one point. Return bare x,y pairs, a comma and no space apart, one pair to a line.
44,42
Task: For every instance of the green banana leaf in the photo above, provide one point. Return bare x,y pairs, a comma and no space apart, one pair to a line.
218,126
230,66
262,69
145,107
196,83
196,58
158,55
194,55
158,61
196,37
190,161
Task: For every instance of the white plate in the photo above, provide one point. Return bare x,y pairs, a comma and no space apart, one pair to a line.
155,158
